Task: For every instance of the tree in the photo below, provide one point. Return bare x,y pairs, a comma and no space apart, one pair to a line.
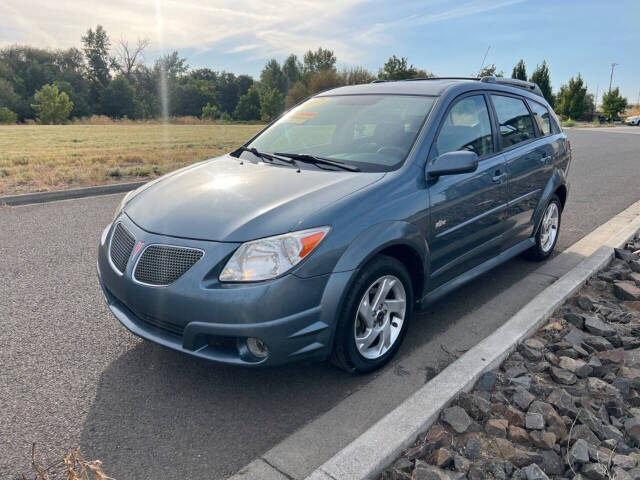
7,117
189,95
296,94
541,76
519,71
490,71
129,57
96,49
292,69
271,104
613,104
8,97
79,99
356,76
571,100
272,77
171,65
397,69
118,98
248,107
321,59
51,105
324,80
146,105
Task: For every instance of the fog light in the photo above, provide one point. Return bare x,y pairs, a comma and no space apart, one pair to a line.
257,347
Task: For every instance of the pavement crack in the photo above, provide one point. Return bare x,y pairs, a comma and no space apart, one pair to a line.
277,469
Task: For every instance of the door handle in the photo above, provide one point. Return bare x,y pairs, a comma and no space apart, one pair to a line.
499,177
545,160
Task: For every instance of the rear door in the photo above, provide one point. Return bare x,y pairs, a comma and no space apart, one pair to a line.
466,214
528,159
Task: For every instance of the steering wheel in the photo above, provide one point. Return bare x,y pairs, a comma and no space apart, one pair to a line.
368,147
391,150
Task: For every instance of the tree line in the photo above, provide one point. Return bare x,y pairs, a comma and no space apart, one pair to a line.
573,100
112,79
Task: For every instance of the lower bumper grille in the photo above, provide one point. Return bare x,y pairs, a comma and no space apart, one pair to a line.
161,265
168,327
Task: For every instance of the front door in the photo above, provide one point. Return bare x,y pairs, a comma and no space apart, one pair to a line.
466,214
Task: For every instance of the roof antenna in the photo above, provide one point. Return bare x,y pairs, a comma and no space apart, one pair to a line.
484,58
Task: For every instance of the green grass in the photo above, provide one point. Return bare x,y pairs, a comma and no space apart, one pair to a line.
48,157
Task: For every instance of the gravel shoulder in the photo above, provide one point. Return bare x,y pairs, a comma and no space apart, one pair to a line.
566,404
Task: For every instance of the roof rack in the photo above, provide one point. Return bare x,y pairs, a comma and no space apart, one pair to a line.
512,82
426,78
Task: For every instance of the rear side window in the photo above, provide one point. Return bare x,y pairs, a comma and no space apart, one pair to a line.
466,127
515,122
541,114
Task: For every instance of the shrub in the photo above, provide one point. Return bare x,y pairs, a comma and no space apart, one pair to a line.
51,105
7,116
210,112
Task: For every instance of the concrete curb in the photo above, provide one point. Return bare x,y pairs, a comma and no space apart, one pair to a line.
376,448
42,197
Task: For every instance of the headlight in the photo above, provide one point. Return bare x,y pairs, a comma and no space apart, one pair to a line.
270,257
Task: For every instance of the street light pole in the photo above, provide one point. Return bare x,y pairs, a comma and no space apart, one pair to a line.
613,65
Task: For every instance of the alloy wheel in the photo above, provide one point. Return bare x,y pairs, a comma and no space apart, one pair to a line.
549,227
380,316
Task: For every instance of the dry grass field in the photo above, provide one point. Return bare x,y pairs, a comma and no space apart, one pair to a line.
49,157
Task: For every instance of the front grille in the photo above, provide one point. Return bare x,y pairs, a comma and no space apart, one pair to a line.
121,246
162,265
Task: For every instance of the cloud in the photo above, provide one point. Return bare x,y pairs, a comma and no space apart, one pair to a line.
252,29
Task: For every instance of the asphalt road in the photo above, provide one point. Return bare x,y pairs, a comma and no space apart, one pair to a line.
71,375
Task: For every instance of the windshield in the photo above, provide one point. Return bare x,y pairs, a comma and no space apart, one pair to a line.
372,132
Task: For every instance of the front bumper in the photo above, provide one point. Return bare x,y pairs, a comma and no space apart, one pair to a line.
200,316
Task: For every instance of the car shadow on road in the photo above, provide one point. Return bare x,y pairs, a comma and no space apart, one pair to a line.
161,414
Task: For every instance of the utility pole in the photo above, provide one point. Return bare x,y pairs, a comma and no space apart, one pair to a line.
638,102
595,103
484,58
613,65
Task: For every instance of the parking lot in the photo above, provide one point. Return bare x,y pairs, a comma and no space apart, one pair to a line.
70,374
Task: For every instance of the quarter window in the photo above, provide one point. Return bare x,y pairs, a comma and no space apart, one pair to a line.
541,114
515,122
466,127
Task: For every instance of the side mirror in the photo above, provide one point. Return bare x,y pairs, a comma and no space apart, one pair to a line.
452,163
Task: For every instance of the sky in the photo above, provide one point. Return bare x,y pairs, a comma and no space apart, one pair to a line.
448,38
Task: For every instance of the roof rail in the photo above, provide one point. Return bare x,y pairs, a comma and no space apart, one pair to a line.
512,82
426,78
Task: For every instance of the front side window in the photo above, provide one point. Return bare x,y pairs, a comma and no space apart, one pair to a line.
541,114
466,127
372,132
515,122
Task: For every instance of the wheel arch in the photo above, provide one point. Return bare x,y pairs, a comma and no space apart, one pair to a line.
557,185
397,239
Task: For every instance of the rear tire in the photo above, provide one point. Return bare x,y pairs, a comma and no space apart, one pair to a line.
372,323
548,231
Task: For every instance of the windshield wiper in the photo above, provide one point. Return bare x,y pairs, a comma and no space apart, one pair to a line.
305,157
267,156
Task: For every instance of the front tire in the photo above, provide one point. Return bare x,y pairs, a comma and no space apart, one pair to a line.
548,231
375,316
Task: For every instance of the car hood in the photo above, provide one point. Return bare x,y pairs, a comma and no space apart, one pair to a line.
225,200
